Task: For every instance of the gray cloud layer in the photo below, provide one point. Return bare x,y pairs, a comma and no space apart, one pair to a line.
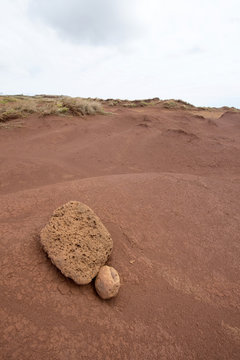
186,49
97,22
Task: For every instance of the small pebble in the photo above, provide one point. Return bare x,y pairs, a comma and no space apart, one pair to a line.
107,282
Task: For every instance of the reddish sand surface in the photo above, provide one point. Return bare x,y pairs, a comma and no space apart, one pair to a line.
166,184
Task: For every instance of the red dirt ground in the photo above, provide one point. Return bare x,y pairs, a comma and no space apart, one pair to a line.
167,186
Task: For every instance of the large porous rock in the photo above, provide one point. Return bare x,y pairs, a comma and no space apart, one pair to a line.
107,282
76,241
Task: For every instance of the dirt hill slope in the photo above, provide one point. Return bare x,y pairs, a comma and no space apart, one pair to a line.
166,183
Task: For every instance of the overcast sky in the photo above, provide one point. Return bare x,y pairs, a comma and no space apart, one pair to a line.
129,49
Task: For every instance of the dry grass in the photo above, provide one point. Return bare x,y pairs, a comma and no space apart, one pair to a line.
176,105
11,124
166,104
130,103
81,107
20,106
170,104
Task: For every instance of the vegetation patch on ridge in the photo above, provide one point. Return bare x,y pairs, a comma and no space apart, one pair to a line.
20,106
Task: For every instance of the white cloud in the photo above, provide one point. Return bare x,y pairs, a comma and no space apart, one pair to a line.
89,21
188,50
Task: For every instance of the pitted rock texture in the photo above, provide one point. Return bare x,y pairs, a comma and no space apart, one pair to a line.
76,241
107,282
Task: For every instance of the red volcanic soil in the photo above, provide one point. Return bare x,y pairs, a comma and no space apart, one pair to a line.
167,186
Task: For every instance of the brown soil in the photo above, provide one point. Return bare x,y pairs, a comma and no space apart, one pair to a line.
166,184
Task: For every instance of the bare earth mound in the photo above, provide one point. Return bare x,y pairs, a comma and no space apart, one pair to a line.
77,242
166,184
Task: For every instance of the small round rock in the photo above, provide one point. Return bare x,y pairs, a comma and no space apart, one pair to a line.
107,282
